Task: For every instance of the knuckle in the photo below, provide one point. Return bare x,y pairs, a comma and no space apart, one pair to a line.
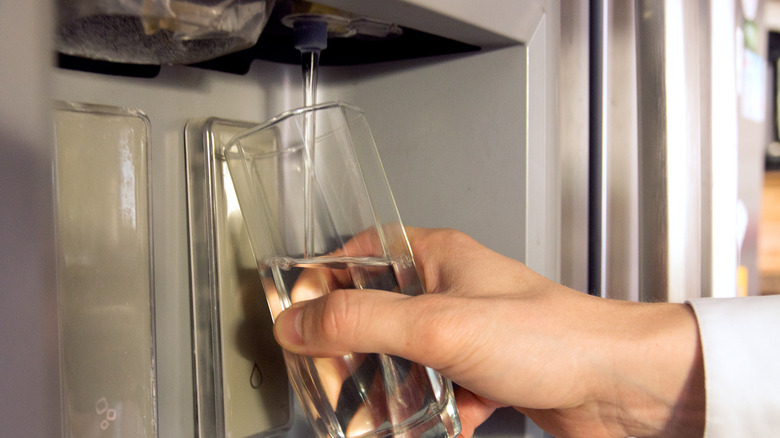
457,238
449,242
448,234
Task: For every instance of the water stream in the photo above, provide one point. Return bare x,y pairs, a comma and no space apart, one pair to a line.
310,66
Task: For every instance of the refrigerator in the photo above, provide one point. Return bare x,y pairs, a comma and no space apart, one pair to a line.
530,125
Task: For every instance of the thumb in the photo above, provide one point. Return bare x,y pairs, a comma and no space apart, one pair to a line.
363,321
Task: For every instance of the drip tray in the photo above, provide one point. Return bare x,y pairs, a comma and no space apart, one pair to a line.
241,381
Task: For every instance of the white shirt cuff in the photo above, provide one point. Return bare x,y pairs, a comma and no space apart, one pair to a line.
741,349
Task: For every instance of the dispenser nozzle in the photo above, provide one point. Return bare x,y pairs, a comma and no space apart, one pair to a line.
338,24
310,35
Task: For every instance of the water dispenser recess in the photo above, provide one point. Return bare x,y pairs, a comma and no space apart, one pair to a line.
219,371
104,272
241,383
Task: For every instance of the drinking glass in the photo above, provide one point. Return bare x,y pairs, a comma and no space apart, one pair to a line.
320,216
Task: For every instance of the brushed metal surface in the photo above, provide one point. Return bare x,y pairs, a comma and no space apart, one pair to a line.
573,132
669,110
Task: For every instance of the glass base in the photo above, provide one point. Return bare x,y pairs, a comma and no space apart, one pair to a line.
444,425
373,413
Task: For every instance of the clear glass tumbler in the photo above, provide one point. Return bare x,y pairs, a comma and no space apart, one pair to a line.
320,216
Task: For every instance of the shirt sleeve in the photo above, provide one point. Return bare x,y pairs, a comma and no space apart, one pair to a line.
740,340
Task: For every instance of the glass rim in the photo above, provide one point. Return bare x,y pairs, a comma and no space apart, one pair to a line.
289,114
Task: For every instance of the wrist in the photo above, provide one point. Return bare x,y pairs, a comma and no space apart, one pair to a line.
655,373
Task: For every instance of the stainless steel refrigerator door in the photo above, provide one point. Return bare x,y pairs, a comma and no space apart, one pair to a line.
666,128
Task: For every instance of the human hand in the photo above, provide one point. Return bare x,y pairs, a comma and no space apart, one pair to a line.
576,364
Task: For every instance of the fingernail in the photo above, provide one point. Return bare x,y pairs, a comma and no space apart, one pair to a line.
288,327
